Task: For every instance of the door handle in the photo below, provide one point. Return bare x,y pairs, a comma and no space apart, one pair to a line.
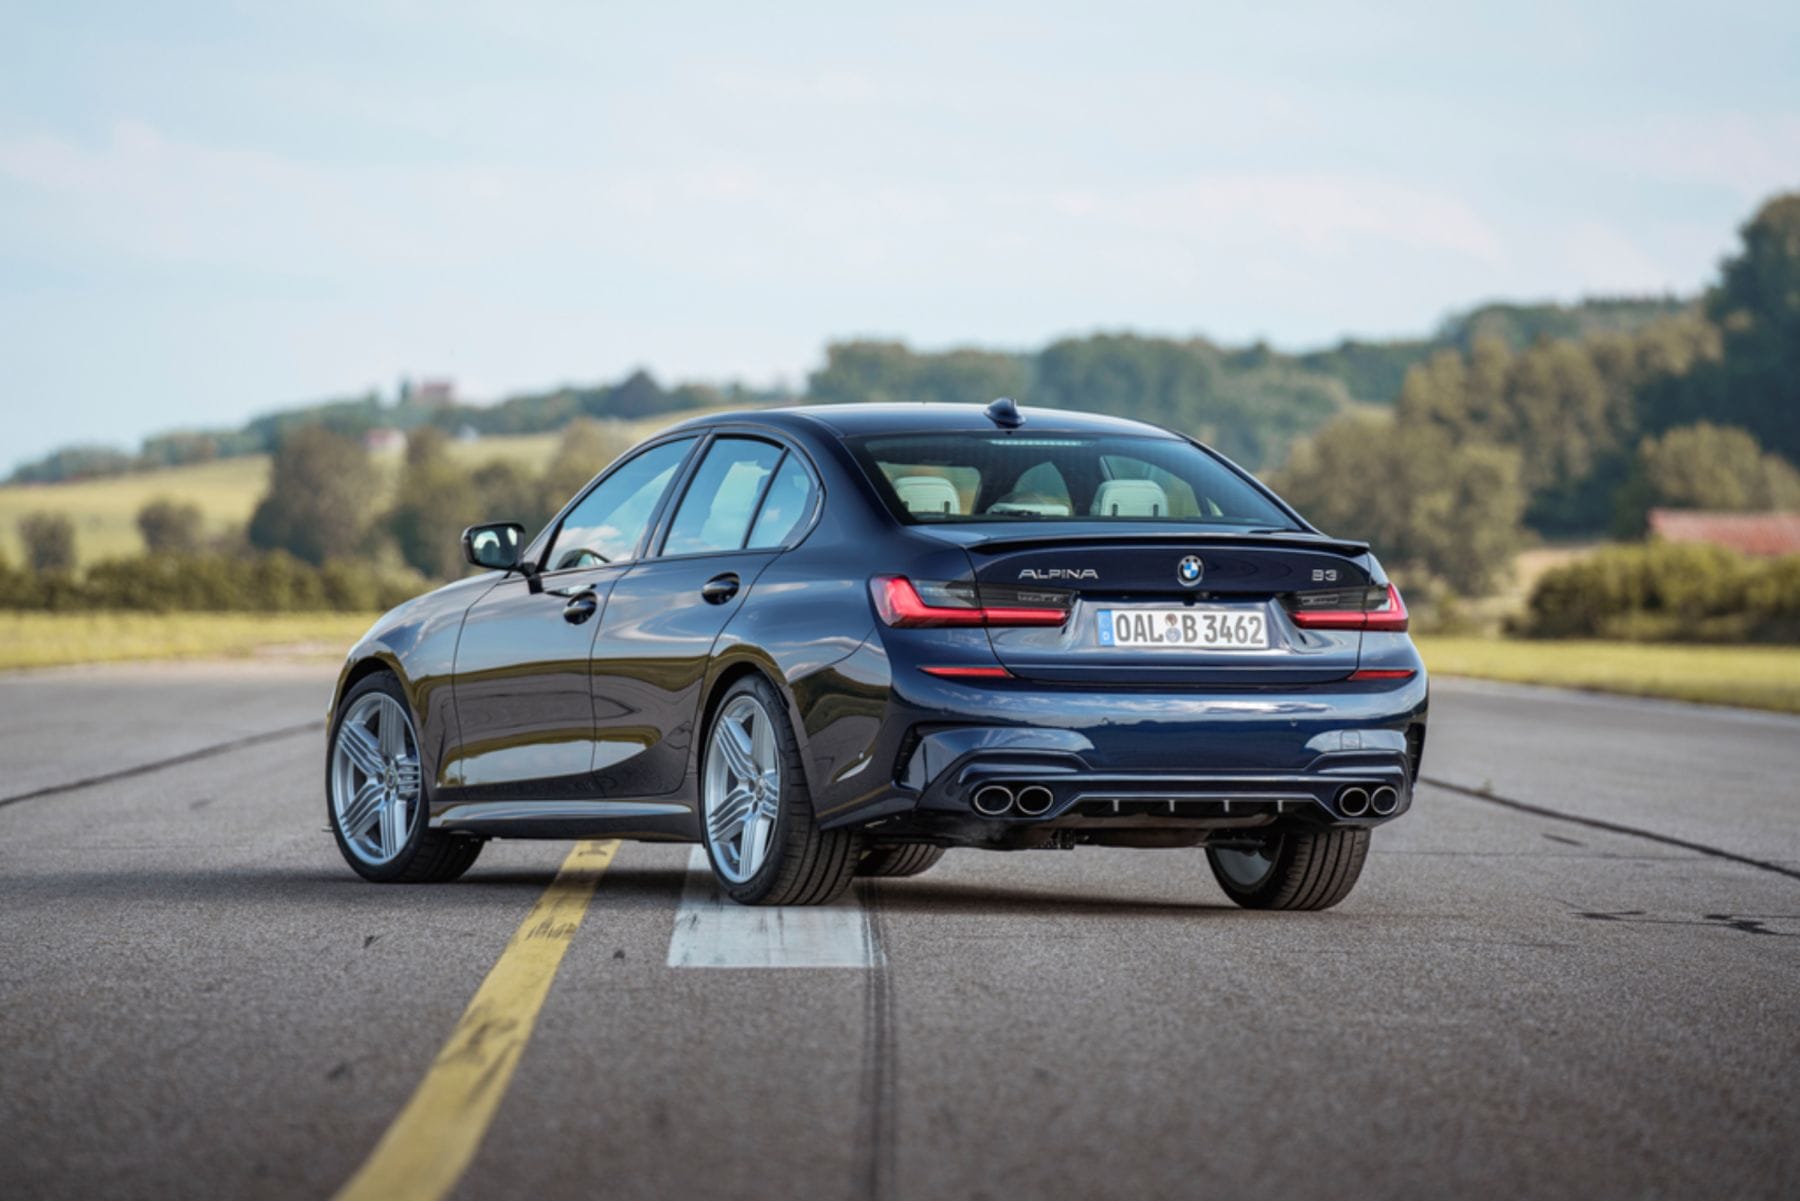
581,606
720,588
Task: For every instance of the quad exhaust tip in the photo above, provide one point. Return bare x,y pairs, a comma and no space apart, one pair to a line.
1034,800
993,799
1353,801
1383,801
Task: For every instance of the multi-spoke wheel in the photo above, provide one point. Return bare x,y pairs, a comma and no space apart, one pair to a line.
1292,869
756,813
376,795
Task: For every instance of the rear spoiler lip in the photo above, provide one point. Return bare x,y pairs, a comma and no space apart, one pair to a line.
1297,539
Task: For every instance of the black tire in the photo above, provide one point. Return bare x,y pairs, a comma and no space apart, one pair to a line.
428,856
1302,869
890,863
805,865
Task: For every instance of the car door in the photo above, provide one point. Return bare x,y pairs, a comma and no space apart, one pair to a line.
666,613
524,701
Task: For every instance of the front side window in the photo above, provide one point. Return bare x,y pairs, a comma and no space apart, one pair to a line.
715,514
609,523
975,476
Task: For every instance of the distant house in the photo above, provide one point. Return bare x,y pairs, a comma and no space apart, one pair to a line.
1748,533
434,393
377,441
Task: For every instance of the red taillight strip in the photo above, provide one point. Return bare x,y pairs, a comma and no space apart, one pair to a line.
1383,673
899,604
1391,617
968,673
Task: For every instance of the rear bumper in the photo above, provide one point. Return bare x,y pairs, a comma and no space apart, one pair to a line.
1176,758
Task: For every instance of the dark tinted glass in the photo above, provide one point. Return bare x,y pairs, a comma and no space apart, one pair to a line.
1021,477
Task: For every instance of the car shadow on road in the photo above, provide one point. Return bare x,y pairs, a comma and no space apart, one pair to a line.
620,888
929,897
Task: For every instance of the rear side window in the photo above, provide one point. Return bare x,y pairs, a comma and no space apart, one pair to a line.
788,501
610,521
715,514
1012,477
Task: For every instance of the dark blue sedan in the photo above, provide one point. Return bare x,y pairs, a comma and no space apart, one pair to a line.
837,641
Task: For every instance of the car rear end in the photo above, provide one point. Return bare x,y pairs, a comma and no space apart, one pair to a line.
1137,646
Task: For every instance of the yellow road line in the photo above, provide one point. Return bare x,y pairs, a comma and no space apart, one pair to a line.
429,1146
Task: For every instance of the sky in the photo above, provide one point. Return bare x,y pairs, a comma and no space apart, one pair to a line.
210,211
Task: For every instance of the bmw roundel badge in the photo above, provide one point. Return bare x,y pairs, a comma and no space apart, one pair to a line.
1190,570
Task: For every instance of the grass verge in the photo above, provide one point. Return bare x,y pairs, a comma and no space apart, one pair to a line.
55,639
1756,677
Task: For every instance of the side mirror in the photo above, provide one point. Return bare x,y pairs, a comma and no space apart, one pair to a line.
495,545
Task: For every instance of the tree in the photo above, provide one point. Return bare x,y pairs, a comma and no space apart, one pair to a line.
1757,306
170,526
322,491
1426,503
49,540
431,507
1704,466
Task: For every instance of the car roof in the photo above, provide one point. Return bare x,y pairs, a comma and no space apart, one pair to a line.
925,418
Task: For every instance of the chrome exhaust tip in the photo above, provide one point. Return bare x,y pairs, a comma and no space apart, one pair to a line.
1035,800
1353,802
1383,801
993,799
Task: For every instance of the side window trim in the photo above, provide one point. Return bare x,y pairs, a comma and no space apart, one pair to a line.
640,551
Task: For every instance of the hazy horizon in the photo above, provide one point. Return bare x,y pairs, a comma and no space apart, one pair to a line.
212,212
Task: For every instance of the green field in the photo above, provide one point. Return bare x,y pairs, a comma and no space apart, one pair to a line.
1757,677
54,639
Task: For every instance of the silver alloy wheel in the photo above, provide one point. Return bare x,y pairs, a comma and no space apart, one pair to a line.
741,792
1247,869
375,778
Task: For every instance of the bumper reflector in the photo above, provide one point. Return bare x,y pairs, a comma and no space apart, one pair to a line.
968,673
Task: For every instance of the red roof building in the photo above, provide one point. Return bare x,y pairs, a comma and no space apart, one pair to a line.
1749,533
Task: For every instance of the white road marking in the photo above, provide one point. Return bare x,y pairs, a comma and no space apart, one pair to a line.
711,930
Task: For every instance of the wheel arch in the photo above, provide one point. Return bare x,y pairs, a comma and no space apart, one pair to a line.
724,673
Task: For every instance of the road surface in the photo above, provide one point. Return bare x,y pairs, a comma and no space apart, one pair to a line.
1585,983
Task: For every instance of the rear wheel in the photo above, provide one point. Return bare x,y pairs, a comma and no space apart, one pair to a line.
1292,869
893,862
375,793
757,817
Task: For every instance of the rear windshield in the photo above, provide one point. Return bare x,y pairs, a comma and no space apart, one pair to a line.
1020,477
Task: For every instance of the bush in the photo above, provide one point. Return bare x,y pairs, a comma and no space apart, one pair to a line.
49,540
166,583
1669,592
170,526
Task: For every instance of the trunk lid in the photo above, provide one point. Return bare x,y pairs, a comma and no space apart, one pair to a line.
1139,575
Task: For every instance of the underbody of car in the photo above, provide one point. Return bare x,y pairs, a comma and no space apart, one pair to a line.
824,641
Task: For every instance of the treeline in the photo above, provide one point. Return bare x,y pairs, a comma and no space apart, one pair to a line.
1700,409
637,395
1250,401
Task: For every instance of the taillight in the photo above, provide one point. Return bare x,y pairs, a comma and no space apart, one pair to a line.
903,602
1373,608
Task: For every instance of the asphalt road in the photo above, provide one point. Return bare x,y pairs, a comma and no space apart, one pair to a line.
198,999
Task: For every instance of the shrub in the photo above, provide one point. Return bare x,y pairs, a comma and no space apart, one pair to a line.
1669,592
170,526
49,540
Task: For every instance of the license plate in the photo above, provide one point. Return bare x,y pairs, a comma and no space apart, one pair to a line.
1184,629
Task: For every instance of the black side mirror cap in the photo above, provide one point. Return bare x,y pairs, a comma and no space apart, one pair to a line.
495,545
